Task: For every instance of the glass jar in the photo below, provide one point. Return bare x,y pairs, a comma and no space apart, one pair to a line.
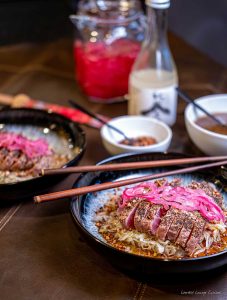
108,39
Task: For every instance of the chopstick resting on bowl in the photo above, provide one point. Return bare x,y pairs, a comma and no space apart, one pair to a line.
131,165
120,183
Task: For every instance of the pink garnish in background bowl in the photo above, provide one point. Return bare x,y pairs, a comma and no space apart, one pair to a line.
31,140
32,148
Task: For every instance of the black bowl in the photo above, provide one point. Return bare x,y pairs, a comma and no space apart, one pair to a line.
83,207
54,122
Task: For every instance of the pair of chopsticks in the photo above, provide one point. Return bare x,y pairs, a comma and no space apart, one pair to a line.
216,161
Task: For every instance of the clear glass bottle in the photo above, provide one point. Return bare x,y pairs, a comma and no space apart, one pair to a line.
153,80
108,39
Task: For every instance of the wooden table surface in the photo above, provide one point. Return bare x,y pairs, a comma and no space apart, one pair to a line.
42,255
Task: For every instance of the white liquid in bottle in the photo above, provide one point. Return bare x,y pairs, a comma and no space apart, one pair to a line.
152,93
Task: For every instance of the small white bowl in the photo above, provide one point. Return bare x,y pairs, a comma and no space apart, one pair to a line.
135,126
207,141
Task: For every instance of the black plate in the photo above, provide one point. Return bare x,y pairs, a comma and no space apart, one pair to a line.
83,207
54,122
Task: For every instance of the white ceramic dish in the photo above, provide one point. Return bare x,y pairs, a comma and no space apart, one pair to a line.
135,126
207,141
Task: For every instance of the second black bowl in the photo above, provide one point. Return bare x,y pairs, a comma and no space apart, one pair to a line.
51,122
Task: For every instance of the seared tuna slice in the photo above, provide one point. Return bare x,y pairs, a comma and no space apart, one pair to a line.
21,163
11,159
3,154
153,218
176,226
140,215
185,232
196,235
14,160
126,214
149,219
166,223
30,164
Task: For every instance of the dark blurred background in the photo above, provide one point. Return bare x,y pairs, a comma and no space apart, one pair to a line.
34,20
202,23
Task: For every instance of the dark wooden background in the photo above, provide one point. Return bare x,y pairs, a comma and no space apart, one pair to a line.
202,23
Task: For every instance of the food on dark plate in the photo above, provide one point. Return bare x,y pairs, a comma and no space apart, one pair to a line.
24,151
139,141
165,219
210,125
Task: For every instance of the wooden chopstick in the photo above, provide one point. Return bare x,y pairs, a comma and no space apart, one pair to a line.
131,165
110,185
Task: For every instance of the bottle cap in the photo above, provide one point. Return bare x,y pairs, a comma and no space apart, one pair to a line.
160,4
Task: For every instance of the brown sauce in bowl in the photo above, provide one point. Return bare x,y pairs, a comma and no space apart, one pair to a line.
207,123
139,141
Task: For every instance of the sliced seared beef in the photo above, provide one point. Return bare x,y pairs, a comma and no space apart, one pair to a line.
6,163
176,226
184,226
3,154
10,159
153,217
21,162
196,235
147,220
185,232
166,223
128,212
140,215
30,164
14,160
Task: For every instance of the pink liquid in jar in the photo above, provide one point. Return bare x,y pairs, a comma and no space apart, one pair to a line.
103,70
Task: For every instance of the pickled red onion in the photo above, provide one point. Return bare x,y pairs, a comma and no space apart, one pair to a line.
12,141
183,198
